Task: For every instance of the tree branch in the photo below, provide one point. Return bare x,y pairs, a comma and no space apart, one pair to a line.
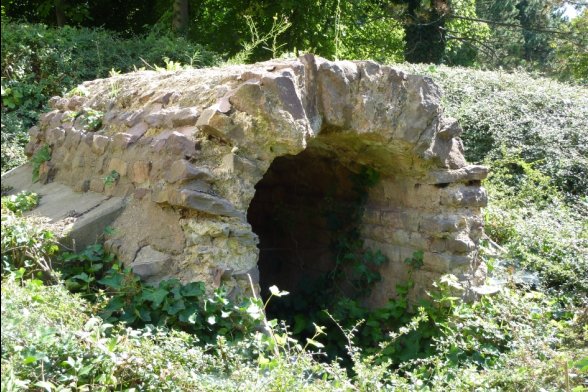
506,24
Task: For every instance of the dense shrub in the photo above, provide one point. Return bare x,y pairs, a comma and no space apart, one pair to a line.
50,339
539,231
531,132
39,62
543,120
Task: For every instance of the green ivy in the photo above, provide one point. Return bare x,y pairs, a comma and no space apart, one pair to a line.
123,297
21,202
42,155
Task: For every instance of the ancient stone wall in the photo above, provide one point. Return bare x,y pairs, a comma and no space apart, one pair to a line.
188,148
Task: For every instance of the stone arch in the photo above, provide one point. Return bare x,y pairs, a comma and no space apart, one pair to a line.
187,149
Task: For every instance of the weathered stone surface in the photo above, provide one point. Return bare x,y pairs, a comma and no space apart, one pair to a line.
139,171
120,141
183,117
138,130
191,147
119,166
468,197
464,174
204,202
182,171
215,123
149,262
99,143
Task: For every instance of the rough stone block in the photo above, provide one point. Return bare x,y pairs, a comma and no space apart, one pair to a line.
215,123
284,89
444,262
439,224
76,102
182,171
450,129
232,163
82,186
131,119
139,171
184,117
468,173
53,102
56,120
30,148
461,244
45,118
472,197
119,166
55,136
141,193
149,262
203,202
72,139
99,144
34,134
120,141
97,185
157,119
179,145
137,131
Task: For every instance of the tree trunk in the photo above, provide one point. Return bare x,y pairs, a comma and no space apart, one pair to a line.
59,12
425,33
181,16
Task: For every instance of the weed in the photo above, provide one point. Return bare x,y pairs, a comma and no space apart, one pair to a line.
21,202
112,178
42,155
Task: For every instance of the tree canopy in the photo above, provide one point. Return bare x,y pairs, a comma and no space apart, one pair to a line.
533,34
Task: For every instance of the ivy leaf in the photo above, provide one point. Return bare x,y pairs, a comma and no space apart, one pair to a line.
188,316
193,289
156,296
46,385
173,307
314,343
254,311
113,280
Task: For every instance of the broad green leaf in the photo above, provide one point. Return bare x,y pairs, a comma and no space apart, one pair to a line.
156,296
314,343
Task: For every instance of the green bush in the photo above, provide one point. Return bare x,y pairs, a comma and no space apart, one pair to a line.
542,120
122,297
50,338
26,245
21,202
39,62
528,216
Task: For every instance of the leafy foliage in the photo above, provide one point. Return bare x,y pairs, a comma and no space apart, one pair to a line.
39,62
51,339
27,247
20,202
529,217
42,155
122,297
541,120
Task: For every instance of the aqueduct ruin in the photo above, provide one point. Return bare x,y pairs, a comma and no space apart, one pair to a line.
231,172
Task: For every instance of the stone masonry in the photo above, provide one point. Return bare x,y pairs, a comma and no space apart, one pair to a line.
187,148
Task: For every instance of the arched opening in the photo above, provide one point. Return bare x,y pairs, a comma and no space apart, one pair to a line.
300,205
307,212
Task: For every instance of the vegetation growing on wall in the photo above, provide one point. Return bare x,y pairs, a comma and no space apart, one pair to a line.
39,62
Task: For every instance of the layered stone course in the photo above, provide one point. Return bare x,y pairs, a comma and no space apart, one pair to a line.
187,148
